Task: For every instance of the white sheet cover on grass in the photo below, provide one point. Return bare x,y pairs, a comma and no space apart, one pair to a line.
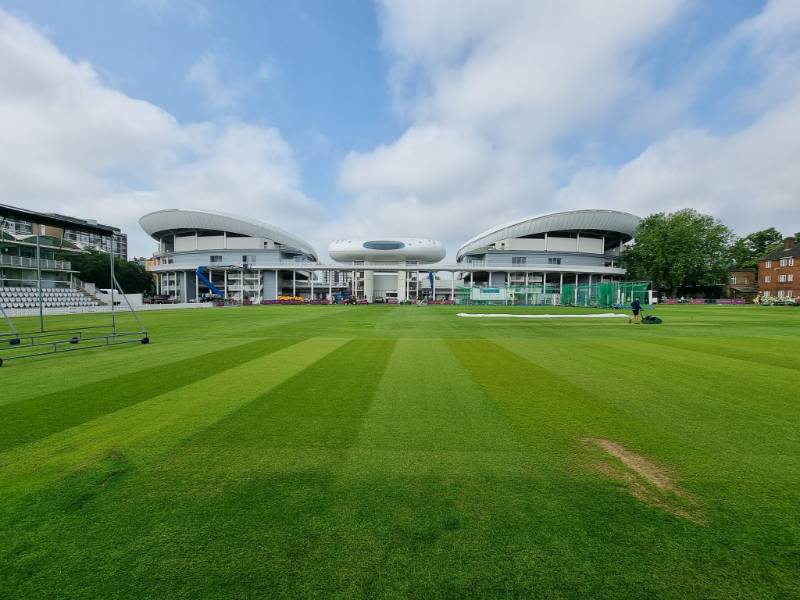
589,316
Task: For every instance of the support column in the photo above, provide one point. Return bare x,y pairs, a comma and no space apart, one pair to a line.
196,287
311,281
294,282
527,283
575,301
225,286
330,287
433,287
452,286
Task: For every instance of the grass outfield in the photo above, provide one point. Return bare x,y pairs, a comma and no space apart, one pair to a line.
399,451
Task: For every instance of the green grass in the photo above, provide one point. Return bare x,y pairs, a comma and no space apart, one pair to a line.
401,451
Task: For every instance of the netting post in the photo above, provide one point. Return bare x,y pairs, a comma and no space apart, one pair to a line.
39,280
113,279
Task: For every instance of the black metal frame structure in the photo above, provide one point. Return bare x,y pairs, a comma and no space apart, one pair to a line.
16,344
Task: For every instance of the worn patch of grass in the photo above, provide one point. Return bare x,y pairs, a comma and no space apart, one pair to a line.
400,451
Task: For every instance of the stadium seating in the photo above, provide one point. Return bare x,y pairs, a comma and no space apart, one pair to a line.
17,297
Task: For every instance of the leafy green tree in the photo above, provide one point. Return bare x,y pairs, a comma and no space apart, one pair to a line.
94,267
681,249
747,251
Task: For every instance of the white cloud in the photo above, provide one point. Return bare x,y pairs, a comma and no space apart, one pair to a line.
221,92
491,90
73,145
748,177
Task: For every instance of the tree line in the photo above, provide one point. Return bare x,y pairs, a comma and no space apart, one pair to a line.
688,249
94,267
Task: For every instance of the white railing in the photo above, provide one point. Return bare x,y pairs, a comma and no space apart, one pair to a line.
21,261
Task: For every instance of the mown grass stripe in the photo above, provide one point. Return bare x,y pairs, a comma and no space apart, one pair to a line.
32,419
322,406
763,351
427,401
141,432
250,490
676,390
548,411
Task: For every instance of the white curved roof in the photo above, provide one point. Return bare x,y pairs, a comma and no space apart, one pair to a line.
387,249
187,218
589,219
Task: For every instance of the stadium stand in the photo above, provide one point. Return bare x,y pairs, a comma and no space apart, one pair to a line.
19,297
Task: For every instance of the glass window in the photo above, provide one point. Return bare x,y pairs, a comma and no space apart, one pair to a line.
554,261
768,279
768,264
215,258
519,260
384,245
733,280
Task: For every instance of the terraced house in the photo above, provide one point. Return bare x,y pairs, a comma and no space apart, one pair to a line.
779,272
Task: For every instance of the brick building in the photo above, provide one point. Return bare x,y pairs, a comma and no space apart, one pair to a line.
779,272
742,284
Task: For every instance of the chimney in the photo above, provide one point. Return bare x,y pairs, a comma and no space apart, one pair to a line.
788,243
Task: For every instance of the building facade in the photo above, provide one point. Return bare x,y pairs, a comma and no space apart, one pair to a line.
742,284
779,272
85,234
203,254
394,275
39,245
546,253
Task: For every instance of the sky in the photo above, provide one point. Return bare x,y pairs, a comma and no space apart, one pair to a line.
414,118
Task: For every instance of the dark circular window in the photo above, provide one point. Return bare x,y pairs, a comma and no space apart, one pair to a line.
384,245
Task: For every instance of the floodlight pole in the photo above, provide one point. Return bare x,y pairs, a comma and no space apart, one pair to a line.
113,279
39,280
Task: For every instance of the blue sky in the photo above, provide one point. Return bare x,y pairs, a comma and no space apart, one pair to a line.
408,117
326,92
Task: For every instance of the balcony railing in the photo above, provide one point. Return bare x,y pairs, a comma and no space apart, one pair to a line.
30,263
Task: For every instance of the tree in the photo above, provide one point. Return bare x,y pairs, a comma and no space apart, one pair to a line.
747,251
94,267
681,249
